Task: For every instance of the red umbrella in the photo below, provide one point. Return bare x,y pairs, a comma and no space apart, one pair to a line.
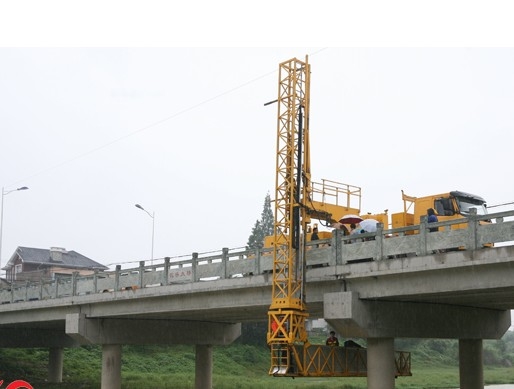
349,219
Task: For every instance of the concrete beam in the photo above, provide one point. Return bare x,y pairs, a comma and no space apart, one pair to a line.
35,337
150,331
353,317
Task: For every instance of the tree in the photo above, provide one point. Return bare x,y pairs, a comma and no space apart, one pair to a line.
267,217
255,333
256,239
262,227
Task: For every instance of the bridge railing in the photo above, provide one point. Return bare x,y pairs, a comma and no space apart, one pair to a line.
471,233
475,232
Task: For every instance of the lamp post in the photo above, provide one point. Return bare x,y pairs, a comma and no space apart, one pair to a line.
4,193
152,215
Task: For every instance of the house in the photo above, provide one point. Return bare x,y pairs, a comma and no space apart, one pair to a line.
31,264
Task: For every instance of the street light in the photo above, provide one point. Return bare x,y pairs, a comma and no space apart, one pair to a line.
152,215
4,193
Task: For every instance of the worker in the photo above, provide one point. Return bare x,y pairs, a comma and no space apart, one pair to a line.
274,325
356,230
344,231
332,339
315,235
432,218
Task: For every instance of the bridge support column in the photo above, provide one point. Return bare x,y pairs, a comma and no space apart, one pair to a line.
381,369
471,369
55,363
111,366
203,367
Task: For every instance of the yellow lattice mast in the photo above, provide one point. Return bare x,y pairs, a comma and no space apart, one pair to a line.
291,353
287,312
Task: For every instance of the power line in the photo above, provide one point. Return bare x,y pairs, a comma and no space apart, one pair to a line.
149,126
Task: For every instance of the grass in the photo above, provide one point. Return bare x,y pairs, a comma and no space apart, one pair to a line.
234,367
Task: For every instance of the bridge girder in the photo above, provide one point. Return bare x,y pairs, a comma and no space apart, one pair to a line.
143,331
353,317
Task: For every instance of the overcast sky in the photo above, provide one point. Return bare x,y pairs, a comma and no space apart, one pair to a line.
183,131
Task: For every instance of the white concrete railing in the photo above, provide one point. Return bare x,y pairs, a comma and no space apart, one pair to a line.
340,250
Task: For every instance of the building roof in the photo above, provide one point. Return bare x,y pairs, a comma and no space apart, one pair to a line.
54,257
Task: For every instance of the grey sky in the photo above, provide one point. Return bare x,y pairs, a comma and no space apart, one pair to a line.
94,125
184,133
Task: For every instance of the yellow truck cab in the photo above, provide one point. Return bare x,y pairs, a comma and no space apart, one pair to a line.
447,206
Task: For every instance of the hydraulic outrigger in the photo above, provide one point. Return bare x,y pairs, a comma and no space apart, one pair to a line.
291,353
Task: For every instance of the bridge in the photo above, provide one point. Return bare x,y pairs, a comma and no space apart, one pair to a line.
455,283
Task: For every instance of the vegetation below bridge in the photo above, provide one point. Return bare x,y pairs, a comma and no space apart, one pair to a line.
245,365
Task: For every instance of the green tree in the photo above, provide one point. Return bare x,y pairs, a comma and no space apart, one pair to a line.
256,239
262,227
255,333
267,218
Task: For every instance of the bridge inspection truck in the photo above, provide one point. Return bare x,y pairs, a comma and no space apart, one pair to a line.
292,355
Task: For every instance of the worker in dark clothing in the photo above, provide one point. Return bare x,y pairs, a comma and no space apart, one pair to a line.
315,235
432,218
332,339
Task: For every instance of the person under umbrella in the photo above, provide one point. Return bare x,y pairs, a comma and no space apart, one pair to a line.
369,225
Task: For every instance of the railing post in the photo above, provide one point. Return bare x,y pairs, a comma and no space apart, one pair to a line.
117,278
141,274
472,230
41,287
224,260
336,246
258,256
423,230
194,266
56,286
166,275
12,292
27,283
95,282
379,238
74,283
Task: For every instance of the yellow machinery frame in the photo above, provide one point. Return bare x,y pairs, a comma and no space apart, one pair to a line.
287,312
291,353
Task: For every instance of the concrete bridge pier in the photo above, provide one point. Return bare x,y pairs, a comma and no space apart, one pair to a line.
471,372
111,366
203,367
381,368
382,321
55,364
112,333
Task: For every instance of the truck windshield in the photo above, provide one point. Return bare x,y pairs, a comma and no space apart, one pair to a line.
465,204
